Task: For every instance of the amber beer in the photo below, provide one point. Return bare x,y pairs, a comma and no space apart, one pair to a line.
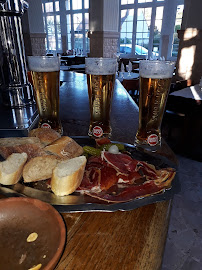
155,79
45,75
100,80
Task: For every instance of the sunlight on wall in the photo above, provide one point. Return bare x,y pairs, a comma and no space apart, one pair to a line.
186,62
187,54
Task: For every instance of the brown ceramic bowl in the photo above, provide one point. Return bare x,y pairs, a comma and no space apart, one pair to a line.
19,217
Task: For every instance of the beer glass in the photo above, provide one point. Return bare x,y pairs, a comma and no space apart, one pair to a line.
155,80
45,71
100,79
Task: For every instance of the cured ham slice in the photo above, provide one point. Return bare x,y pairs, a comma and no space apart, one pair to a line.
123,193
119,178
98,176
121,162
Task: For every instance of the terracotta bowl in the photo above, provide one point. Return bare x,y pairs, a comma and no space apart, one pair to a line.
19,217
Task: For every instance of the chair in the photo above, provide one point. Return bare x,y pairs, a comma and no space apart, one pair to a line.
132,87
125,62
176,111
178,85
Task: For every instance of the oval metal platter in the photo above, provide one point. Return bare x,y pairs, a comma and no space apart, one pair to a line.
76,202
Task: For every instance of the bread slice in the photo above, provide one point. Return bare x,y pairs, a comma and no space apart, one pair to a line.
30,145
39,168
65,148
11,169
67,176
45,135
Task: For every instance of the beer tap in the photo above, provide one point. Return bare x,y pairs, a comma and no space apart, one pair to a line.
16,91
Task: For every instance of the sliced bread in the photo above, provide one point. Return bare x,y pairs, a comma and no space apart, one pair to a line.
67,176
45,135
65,148
39,168
30,145
11,169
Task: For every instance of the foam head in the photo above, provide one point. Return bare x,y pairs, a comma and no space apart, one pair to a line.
100,66
156,69
43,63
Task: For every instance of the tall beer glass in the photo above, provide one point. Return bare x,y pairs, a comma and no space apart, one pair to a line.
45,72
100,78
155,79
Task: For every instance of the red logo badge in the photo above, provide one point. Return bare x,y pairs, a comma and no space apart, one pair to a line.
97,131
153,140
45,125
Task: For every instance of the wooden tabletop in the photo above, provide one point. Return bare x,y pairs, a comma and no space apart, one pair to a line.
130,240
120,240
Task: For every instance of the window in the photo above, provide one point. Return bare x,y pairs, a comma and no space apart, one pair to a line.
143,30
77,25
76,4
52,25
126,30
125,2
157,29
49,7
75,14
69,32
144,22
57,8
178,23
51,33
144,1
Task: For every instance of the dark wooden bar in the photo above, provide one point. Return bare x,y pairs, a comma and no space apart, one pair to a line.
120,240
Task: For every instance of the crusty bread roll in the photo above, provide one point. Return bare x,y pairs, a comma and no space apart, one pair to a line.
67,176
11,169
45,135
65,148
30,145
39,168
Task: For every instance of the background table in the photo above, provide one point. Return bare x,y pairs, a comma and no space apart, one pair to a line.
125,76
193,92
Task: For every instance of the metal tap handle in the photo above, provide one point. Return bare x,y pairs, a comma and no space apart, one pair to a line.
14,84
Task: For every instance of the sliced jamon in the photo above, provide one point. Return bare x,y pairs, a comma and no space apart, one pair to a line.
123,192
98,175
121,162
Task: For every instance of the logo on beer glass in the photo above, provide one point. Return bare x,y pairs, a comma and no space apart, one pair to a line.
97,131
45,125
152,140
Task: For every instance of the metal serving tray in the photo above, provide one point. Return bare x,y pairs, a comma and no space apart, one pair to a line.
76,202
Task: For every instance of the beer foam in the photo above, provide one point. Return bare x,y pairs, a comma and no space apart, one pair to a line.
100,66
43,63
156,69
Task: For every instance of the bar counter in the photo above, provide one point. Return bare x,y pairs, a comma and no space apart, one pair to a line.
119,240
110,240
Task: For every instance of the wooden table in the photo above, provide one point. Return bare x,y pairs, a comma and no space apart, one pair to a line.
119,240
